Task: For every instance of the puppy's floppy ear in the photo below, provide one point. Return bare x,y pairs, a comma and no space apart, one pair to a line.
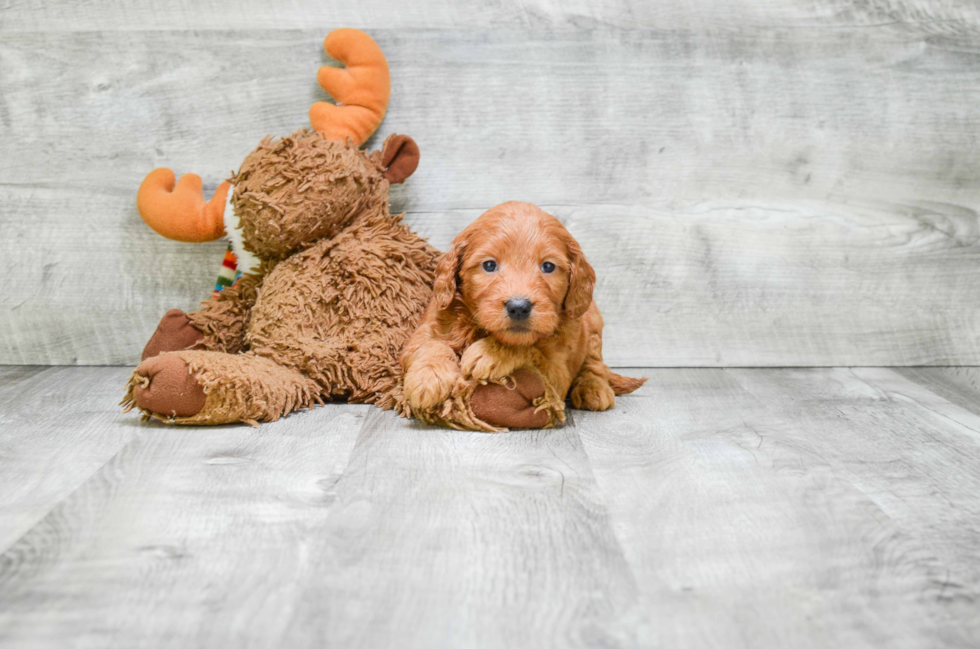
444,287
581,282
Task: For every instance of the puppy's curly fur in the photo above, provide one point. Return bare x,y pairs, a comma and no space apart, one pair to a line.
468,343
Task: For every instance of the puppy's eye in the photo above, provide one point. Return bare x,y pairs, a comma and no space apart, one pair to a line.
547,267
489,265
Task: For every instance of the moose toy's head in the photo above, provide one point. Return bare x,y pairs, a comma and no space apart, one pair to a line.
303,187
296,189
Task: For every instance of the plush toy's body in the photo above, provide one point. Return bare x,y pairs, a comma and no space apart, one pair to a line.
333,284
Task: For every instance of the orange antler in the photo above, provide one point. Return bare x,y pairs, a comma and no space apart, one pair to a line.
182,213
361,89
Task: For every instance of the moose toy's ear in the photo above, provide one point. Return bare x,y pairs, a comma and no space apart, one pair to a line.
399,157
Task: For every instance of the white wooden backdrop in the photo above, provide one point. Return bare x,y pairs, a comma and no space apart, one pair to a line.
761,182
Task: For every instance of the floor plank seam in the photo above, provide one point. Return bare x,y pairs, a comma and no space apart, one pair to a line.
83,483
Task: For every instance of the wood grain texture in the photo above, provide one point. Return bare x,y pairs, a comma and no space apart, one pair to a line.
57,428
455,539
187,537
785,196
295,535
744,531
959,385
915,455
738,508
939,16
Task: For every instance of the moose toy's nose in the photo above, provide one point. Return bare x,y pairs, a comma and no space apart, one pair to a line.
518,308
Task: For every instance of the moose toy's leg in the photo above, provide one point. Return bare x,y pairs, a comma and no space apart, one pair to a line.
535,398
203,387
219,325
512,405
174,333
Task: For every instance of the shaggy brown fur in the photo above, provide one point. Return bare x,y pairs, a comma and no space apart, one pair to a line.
342,285
302,188
467,338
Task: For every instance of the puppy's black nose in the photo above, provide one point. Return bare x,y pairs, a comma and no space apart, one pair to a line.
518,308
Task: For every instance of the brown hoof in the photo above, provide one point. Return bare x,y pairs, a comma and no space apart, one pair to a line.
172,390
499,405
174,333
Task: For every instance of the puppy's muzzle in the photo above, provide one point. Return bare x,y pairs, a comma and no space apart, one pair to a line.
519,308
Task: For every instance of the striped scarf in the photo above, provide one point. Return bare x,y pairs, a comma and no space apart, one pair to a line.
228,274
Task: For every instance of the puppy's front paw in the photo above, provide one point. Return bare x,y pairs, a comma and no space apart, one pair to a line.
426,388
487,360
593,393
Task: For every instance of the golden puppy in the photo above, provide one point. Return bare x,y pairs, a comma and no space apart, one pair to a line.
512,305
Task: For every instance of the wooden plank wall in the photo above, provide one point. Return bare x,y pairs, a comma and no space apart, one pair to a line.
756,183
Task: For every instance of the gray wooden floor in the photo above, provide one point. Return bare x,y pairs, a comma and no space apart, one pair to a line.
758,508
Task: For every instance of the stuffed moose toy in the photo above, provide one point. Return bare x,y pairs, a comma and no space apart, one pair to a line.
333,283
